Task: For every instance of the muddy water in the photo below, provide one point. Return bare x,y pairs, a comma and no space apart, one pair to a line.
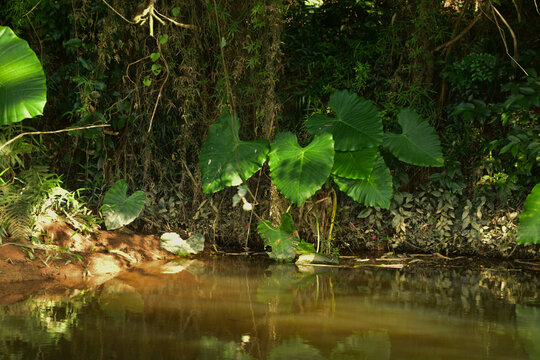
237,308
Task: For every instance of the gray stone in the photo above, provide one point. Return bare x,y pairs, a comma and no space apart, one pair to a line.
315,258
172,242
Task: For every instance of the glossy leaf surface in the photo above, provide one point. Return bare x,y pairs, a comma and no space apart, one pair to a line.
529,220
225,160
119,209
299,172
357,123
22,81
282,240
376,190
418,144
354,164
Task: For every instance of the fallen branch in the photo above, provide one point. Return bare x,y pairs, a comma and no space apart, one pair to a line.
51,132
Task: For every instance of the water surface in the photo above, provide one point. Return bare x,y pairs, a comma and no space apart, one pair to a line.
240,308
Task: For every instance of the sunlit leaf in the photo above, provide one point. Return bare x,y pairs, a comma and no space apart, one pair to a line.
299,172
529,220
354,164
118,208
225,160
357,123
282,240
22,81
418,144
376,190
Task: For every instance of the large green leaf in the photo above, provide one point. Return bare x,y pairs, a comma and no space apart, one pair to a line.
283,240
118,208
529,220
357,125
227,161
299,172
376,190
22,81
354,164
418,144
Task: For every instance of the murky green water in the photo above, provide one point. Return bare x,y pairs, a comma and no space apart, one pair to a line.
236,308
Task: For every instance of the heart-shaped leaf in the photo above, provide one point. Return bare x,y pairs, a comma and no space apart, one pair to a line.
376,190
119,209
227,161
299,172
358,123
23,92
529,220
283,240
418,144
354,164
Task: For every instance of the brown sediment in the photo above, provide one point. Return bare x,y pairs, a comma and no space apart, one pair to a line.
71,260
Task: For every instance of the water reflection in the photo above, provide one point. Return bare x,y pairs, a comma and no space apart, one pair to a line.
240,309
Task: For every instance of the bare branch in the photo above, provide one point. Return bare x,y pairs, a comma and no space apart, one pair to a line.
51,132
459,36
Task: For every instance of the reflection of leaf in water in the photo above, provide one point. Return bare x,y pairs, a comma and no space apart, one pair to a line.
117,298
211,348
294,349
281,286
36,323
528,322
367,345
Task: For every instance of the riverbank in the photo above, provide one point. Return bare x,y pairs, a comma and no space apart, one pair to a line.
68,259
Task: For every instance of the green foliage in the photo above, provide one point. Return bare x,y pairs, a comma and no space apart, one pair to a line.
227,161
22,199
119,209
375,190
354,164
473,75
283,240
357,124
22,81
418,144
299,172
529,221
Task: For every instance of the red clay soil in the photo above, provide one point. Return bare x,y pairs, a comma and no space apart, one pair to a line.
70,260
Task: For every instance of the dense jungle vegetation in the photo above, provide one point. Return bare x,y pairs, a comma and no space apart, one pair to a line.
175,86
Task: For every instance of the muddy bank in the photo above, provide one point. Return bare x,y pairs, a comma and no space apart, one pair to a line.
70,260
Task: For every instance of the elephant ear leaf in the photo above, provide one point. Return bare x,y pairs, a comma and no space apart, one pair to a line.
357,123
354,164
529,220
23,92
282,240
119,209
299,172
418,144
375,190
227,161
